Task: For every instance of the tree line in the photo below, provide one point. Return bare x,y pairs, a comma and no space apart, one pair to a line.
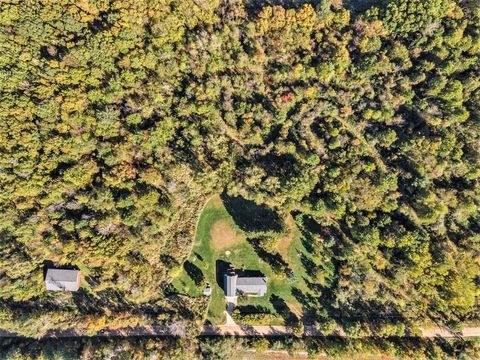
119,118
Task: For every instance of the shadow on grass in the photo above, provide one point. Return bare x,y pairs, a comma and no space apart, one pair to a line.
276,262
194,272
221,268
251,217
283,310
309,303
198,256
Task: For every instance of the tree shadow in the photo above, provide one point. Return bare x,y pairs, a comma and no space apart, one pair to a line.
253,7
330,234
310,226
47,264
249,273
198,256
283,310
308,302
168,261
182,308
194,272
307,263
110,299
93,281
307,241
221,268
52,52
357,6
316,288
251,217
252,309
280,165
276,261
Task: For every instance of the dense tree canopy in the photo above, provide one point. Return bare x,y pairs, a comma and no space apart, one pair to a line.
233,348
118,118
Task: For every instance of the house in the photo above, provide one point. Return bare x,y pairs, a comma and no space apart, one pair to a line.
235,285
62,280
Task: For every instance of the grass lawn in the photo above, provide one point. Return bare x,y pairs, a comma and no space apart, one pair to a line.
220,241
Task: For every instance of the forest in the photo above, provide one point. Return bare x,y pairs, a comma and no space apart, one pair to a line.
118,119
235,349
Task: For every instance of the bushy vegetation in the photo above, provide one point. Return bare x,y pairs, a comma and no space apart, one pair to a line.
260,317
118,118
231,348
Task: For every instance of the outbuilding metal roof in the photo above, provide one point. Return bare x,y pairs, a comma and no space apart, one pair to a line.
233,285
62,280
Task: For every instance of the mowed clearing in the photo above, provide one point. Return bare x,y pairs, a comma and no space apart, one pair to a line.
222,238
286,241
224,235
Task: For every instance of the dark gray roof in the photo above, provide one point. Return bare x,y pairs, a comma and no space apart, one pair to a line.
251,281
62,280
252,285
245,285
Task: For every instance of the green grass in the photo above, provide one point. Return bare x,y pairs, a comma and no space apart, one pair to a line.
242,256
213,212
282,286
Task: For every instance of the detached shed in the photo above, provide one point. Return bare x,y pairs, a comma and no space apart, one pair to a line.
62,280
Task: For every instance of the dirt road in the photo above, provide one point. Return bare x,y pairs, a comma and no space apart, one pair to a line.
235,330
239,330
